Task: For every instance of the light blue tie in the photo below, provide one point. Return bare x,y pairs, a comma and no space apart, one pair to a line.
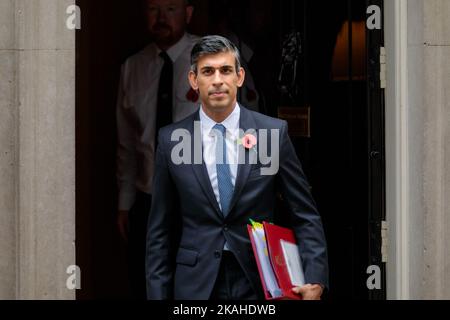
224,181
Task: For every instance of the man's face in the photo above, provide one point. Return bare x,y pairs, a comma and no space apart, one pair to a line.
217,81
167,20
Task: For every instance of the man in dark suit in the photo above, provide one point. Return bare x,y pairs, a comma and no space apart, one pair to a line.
213,173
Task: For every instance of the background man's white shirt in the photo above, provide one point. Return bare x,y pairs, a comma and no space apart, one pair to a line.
136,113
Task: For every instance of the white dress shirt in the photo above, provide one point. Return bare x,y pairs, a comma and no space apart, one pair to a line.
136,113
231,124
209,137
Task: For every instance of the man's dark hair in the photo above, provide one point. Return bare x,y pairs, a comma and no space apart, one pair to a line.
211,45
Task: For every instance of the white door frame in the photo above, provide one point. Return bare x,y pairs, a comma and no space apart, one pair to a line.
397,161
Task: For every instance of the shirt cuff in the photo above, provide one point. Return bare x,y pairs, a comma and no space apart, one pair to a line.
126,200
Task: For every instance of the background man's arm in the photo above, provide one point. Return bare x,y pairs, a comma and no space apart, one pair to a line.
126,158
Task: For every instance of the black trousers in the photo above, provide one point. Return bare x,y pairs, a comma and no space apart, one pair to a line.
232,283
137,219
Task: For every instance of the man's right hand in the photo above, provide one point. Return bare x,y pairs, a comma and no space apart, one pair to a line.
122,223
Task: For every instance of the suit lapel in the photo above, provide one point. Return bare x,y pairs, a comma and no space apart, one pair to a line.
199,169
246,123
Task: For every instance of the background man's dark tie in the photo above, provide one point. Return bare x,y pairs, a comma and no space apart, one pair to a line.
164,105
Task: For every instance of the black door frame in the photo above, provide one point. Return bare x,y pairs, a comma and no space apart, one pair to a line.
376,158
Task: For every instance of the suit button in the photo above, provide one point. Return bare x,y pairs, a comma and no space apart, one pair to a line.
217,254
225,227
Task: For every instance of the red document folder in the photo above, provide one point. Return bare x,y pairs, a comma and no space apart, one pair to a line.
274,234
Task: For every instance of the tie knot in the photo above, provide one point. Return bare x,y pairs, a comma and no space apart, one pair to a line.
165,57
221,128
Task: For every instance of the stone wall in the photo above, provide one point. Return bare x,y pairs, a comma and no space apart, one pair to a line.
436,146
37,143
418,148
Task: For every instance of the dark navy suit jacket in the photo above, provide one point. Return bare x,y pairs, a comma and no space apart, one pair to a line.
187,230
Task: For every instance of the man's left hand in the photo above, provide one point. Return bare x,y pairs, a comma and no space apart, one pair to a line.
309,291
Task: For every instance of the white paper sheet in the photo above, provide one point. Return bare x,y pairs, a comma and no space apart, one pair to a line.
294,263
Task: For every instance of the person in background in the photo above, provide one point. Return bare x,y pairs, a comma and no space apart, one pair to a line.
154,91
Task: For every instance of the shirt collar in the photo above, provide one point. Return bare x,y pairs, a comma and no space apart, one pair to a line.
175,51
231,123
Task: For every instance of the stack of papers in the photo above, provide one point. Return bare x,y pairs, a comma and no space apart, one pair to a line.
264,260
278,259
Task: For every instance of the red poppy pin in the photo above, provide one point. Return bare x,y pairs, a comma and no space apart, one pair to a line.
248,141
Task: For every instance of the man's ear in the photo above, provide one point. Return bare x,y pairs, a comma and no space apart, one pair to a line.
241,77
189,12
193,80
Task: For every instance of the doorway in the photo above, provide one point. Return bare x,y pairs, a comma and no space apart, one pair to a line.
314,64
